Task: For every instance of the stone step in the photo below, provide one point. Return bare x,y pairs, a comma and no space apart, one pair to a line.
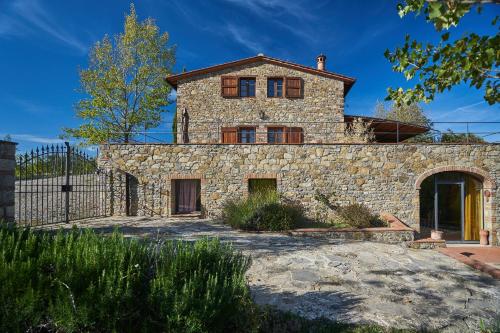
427,243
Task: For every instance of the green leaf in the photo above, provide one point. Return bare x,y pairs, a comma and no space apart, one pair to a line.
434,10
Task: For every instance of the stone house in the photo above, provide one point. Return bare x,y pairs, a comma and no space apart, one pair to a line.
264,120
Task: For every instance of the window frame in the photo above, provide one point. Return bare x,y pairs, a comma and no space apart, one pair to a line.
283,86
239,136
252,187
287,134
174,199
246,77
283,134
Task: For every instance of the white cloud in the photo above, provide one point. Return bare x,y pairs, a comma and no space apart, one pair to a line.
172,96
10,27
452,115
28,16
24,105
33,138
294,16
266,8
245,38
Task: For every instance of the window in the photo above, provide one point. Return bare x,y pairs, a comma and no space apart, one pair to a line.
229,86
275,87
187,197
246,135
238,134
276,135
247,87
293,87
261,185
285,135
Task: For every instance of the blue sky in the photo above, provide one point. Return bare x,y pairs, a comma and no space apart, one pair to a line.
43,43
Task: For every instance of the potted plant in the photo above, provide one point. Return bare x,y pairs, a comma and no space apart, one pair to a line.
483,237
436,234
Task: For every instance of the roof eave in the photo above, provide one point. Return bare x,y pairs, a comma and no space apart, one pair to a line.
348,81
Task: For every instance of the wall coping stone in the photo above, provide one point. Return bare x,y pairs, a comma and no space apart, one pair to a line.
305,144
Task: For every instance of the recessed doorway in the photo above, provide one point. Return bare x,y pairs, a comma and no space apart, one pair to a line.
187,196
452,202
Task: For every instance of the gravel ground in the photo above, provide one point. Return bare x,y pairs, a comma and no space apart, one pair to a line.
343,280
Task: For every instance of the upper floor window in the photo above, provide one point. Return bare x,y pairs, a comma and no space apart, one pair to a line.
234,86
275,87
247,87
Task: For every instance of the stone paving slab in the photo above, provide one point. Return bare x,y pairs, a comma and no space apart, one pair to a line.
344,280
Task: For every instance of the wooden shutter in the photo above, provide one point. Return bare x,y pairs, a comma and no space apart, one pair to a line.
229,134
229,86
295,135
293,87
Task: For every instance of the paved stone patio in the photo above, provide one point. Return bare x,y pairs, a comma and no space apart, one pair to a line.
344,280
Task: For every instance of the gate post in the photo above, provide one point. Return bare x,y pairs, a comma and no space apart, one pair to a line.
67,185
7,180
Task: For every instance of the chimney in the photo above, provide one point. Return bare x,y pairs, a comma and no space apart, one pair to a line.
321,62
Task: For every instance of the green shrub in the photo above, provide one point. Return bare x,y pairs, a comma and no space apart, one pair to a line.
83,282
359,216
263,211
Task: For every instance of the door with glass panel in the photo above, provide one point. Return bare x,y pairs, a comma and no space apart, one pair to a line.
458,206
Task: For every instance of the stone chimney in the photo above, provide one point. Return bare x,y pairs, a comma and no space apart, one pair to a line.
321,62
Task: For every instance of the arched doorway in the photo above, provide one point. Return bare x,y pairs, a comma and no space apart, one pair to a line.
452,202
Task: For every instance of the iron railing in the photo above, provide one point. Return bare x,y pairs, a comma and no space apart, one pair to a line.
58,184
204,132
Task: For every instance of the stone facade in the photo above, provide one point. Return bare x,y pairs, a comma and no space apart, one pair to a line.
7,179
320,112
385,177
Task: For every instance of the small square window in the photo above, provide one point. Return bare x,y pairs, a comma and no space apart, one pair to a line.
247,87
275,87
262,185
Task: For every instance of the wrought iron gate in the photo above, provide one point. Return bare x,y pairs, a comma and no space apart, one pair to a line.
59,184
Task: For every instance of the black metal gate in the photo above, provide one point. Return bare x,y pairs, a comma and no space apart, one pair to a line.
59,184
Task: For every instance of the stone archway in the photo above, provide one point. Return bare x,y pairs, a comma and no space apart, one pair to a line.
489,188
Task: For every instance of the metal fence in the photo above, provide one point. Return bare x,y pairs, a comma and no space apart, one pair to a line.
59,184
201,132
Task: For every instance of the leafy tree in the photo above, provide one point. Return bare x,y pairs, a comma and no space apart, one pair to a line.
124,83
471,59
451,137
413,114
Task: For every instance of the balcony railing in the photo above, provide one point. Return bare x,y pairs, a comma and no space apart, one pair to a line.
374,131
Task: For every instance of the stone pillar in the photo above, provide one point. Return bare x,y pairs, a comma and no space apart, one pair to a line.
7,180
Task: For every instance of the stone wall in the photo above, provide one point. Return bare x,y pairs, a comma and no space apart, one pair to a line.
385,177
7,179
322,103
